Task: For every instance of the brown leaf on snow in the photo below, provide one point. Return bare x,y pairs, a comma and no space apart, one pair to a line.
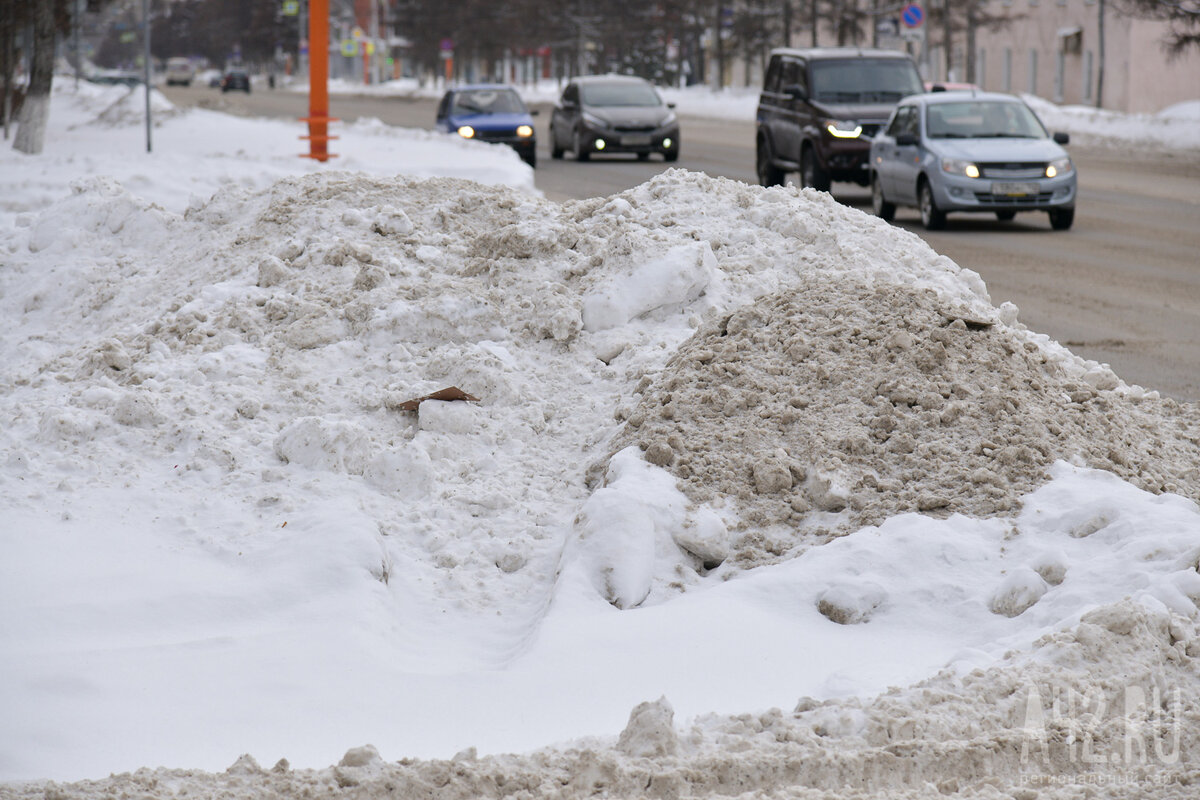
449,393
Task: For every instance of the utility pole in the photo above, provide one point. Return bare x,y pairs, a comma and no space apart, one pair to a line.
1100,69
146,65
318,118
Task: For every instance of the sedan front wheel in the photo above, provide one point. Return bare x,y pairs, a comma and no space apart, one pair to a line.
882,208
933,218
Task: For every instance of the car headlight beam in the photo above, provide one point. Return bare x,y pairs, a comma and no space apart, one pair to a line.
1060,166
524,131
466,131
956,166
842,129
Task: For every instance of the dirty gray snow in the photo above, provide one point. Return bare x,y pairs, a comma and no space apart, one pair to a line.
779,370
875,400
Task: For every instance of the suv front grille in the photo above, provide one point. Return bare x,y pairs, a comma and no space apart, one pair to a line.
1011,171
633,128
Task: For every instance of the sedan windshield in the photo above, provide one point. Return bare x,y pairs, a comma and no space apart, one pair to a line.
982,119
619,94
488,101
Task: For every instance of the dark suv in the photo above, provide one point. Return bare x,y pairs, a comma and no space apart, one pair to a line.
819,109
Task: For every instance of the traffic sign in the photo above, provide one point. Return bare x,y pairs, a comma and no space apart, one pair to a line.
912,16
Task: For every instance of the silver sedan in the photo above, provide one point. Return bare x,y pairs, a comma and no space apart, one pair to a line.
970,151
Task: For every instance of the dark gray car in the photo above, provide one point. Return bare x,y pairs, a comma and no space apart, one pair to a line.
820,107
613,114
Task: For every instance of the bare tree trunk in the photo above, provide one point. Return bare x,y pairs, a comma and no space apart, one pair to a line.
35,110
8,35
814,19
947,39
971,41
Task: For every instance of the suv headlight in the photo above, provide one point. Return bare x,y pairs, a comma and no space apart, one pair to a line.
1061,166
669,119
957,166
843,129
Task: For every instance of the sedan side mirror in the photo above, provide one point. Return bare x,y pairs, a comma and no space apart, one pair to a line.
1062,138
670,105
906,139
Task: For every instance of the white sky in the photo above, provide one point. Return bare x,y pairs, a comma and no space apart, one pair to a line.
219,536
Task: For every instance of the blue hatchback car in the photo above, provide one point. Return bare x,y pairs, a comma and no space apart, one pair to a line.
490,113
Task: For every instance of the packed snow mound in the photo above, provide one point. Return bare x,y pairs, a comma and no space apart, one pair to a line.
1103,709
838,403
227,395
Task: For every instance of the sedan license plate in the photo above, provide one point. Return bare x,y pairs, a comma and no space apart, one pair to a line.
1014,189
635,141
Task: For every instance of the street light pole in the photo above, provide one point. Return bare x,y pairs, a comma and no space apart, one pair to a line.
146,65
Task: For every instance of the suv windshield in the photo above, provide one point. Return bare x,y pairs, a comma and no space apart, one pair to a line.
864,80
618,94
982,120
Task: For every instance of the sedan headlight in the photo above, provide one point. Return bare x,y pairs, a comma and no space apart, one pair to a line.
957,166
524,131
843,129
1061,166
467,132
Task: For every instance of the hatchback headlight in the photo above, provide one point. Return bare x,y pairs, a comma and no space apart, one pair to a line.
467,132
1061,166
524,131
843,129
956,166
594,121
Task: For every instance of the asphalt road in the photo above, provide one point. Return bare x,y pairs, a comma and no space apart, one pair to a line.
1121,287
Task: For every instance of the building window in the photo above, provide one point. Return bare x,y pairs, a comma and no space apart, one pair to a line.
1087,75
1008,69
1033,67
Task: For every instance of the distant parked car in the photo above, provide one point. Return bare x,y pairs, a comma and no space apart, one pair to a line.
180,72
236,80
116,77
971,151
613,114
490,113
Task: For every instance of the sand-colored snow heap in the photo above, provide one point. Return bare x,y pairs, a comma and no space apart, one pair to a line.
874,400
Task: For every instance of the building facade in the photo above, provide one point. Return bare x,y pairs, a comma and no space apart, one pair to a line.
1054,49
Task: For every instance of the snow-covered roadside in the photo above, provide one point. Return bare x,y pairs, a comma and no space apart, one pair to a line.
225,533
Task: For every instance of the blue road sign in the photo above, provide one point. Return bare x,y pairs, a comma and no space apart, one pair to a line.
912,16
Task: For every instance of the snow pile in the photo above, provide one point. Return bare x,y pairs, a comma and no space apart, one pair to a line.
681,389
1090,711
1173,128
835,404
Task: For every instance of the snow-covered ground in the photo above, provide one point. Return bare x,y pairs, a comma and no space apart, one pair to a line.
753,458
